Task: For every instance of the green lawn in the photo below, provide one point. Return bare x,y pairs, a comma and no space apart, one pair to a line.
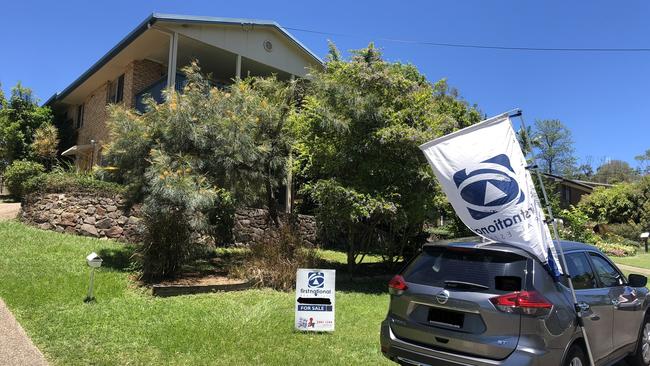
43,279
641,260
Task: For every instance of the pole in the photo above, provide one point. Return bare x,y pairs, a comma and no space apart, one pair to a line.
557,244
91,296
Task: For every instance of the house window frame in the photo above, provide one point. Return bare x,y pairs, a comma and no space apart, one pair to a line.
81,110
116,90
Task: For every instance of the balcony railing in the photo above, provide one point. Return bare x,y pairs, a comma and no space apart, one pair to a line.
155,91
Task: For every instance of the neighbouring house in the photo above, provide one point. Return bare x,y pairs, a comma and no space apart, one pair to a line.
572,190
152,56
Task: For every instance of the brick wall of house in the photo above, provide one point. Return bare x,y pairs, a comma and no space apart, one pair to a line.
139,75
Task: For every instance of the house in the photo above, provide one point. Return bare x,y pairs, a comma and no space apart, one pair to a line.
572,190
150,58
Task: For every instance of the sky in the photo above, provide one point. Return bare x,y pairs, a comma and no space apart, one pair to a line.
602,97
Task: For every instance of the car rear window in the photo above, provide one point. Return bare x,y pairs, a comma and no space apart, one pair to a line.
493,269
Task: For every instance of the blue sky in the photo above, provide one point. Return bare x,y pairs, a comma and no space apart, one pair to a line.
602,97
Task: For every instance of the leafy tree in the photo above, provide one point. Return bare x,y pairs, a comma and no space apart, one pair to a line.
20,117
527,141
359,128
553,146
615,171
644,162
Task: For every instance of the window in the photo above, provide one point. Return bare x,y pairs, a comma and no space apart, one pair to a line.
80,116
580,271
116,90
492,269
607,274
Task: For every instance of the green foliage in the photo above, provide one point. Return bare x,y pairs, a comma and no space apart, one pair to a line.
67,180
172,212
553,147
615,245
19,173
618,204
577,226
20,117
44,146
232,143
615,171
644,162
359,128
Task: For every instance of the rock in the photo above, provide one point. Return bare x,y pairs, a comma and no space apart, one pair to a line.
111,208
133,220
88,230
104,223
122,220
114,215
114,232
68,216
91,210
45,226
89,220
100,211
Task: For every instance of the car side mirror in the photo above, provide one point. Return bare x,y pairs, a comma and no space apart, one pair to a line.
636,280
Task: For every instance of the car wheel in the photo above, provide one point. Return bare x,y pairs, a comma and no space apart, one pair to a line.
642,355
576,357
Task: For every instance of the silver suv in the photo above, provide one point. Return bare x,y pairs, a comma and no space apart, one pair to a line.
493,304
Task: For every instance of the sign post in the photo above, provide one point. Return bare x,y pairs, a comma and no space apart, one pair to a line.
315,300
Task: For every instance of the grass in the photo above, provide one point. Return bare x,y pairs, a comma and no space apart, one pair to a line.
44,278
639,260
340,257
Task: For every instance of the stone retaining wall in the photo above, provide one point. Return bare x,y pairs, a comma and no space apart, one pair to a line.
108,217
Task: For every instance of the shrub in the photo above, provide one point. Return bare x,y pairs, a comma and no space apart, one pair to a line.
630,230
172,212
61,181
616,249
274,261
18,173
577,226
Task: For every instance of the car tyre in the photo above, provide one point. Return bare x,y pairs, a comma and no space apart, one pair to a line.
576,357
642,355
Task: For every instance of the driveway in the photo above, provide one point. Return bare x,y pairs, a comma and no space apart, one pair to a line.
15,346
9,211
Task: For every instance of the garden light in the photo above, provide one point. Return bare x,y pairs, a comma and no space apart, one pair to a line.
94,261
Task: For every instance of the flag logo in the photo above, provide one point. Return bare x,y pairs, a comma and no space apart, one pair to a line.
489,187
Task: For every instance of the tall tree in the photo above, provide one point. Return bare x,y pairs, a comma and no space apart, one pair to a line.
644,162
554,146
20,117
360,126
615,171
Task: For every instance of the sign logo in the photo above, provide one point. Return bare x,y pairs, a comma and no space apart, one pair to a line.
316,280
442,297
489,187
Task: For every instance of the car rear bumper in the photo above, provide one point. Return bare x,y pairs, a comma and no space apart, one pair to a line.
407,353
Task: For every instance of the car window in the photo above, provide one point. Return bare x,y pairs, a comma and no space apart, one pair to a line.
492,269
607,274
580,271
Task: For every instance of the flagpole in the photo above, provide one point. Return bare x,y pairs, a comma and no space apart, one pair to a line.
558,246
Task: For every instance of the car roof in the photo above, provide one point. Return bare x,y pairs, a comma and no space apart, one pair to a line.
567,246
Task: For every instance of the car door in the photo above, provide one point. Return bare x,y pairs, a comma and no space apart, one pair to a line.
598,319
626,306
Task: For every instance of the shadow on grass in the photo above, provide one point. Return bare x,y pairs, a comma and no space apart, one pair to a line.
368,278
118,259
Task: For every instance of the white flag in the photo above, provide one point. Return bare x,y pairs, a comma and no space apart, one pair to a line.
482,171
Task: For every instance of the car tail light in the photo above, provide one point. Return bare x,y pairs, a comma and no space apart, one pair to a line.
523,302
397,285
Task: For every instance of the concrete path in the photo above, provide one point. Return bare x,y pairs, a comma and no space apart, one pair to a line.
15,346
632,269
9,211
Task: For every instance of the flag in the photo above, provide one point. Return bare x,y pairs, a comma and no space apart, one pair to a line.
482,170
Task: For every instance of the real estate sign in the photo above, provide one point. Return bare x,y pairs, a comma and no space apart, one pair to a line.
315,299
